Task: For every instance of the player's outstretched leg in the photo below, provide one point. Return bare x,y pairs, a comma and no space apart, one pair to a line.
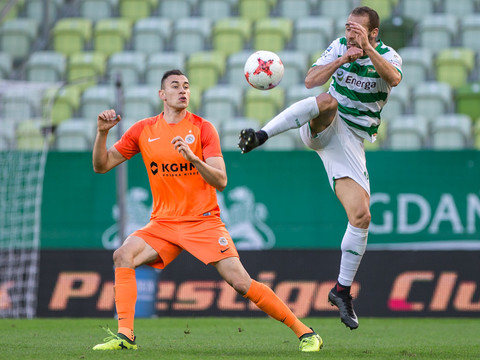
343,300
310,342
115,342
249,139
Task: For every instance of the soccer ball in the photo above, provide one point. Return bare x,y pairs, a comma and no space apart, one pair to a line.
264,70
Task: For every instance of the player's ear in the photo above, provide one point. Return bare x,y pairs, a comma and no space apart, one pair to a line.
161,94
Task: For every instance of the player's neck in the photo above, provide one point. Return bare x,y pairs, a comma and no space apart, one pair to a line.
174,116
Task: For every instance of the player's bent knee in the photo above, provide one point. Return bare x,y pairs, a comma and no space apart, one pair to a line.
326,103
122,258
361,219
241,286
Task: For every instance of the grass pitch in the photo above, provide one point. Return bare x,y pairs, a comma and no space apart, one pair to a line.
243,338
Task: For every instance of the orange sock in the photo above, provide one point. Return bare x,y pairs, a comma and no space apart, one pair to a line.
125,299
270,303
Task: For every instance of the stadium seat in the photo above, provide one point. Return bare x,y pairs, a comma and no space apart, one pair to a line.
312,34
29,134
255,9
205,68
452,132
130,65
195,99
6,65
287,141
159,63
477,134
18,36
272,33
437,31
191,35
136,9
75,135
294,9
221,103
336,8
470,31
296,65
19,104
96,99
14,11
397,31
34,10
60,104
454,65
95,10
111,35
299,92
230,130
398,102
175,9
432,99
151,35
230,35
263,105
417,64
408,132
86,68
384,8
417,10
71,35
216,9
339,27
141,101
468,100
235,69
459,8
46,66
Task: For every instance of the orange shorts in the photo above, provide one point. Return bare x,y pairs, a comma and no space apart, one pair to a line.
207,239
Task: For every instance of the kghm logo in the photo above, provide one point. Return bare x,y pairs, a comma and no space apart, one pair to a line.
178,169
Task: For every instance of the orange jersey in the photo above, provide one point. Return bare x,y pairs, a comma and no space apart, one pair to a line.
178,189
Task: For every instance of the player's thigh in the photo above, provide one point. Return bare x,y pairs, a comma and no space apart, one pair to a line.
232,271
355,201
134,252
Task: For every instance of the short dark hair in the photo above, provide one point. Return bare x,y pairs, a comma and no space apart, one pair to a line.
373,18
169,73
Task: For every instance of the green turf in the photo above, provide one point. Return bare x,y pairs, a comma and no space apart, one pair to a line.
243,338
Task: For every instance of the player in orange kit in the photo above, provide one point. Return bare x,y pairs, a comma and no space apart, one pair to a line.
185,166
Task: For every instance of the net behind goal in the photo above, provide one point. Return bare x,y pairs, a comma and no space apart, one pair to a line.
21,182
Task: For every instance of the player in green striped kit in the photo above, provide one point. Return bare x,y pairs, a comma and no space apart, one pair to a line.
336,123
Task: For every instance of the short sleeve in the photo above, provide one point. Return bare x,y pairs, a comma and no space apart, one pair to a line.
210,141
128,143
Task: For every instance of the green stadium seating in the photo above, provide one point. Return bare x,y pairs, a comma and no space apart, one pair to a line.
294,9
75,135
152,34
230,35
191,35
61,104
454,65
18,36
205,68
136,9
29,135
312,34
230,130
46,66
130,65
287,141
299,92
477,134
272,33
34,10
71,35
7,134
141,101
111,35
397,31
6,65
14,11
417,10
468,100
159,63
452,132
398,102
86,68
255,9
408,132
235,69
175,9
459,7
336,8
19,104
296,65
384,8
264,105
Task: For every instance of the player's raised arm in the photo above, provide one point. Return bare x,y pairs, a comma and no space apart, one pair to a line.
103,159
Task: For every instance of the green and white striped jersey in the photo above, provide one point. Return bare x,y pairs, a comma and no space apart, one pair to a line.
361,93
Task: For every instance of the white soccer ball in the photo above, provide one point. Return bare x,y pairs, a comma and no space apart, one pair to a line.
264,70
